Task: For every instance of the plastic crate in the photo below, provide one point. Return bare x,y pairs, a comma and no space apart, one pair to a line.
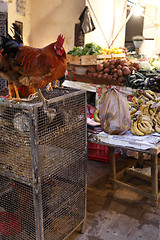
99,152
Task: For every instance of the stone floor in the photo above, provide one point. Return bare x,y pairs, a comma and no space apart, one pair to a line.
119,214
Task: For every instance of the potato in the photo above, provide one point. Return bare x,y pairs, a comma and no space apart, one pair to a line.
106,64
119,66
110,77
112,62
114,70
95,74
118,61
99,75
126,71
115,75
120,79
136,65
99,67
106,70
105,75
119,72
111,66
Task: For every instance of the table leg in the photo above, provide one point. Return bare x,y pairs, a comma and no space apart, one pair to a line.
140,159
113,165
154,179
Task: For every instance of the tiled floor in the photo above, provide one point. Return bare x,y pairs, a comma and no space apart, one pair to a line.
119,214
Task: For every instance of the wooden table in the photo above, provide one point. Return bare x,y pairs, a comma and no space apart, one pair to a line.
154,195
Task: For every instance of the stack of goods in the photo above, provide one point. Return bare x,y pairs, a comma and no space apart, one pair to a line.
145,113
113,71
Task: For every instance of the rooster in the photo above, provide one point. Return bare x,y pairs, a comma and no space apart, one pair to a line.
35,66
13,77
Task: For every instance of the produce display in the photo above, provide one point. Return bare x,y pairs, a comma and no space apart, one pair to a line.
88,49
145,113
115,50
144,80
94,49
113,70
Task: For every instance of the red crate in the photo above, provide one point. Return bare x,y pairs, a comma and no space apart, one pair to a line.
10,223
99,152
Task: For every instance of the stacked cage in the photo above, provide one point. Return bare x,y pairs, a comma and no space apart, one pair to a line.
43,166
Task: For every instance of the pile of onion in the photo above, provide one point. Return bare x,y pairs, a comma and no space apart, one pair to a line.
114,70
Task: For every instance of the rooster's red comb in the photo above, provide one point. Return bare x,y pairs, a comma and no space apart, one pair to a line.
60,40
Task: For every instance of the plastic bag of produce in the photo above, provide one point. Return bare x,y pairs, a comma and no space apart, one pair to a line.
114,112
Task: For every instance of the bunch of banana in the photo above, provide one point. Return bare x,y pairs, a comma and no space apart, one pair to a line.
157,122
145,113
142,126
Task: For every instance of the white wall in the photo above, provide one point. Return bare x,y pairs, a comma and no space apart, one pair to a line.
51,18
111,15
45,20
151,31
14,16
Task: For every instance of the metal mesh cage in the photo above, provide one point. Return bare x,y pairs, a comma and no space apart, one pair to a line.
3,32
43,166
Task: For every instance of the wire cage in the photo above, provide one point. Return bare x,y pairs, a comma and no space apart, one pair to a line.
43,166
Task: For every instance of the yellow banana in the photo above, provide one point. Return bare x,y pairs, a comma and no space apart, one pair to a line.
132,129
151,93
157,99
144,109
146,118
144,128
136,130
158,115
149,96
135,101
157,128
134,110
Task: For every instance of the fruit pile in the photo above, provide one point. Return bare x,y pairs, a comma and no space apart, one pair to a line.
114,70
115,50
145,113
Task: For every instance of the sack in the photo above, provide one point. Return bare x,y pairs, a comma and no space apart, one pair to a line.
114,112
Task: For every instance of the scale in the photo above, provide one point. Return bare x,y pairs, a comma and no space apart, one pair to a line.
137,40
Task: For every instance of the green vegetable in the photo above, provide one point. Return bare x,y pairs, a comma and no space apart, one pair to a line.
88,49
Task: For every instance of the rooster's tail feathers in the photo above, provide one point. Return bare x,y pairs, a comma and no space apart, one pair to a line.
9,46
17,35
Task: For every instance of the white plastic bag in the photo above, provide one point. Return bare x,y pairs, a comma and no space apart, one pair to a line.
114,112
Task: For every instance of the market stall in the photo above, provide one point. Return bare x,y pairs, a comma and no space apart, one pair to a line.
139,82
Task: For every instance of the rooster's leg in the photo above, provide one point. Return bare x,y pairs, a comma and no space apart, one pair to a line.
41,95
16,91
9,91
55,84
